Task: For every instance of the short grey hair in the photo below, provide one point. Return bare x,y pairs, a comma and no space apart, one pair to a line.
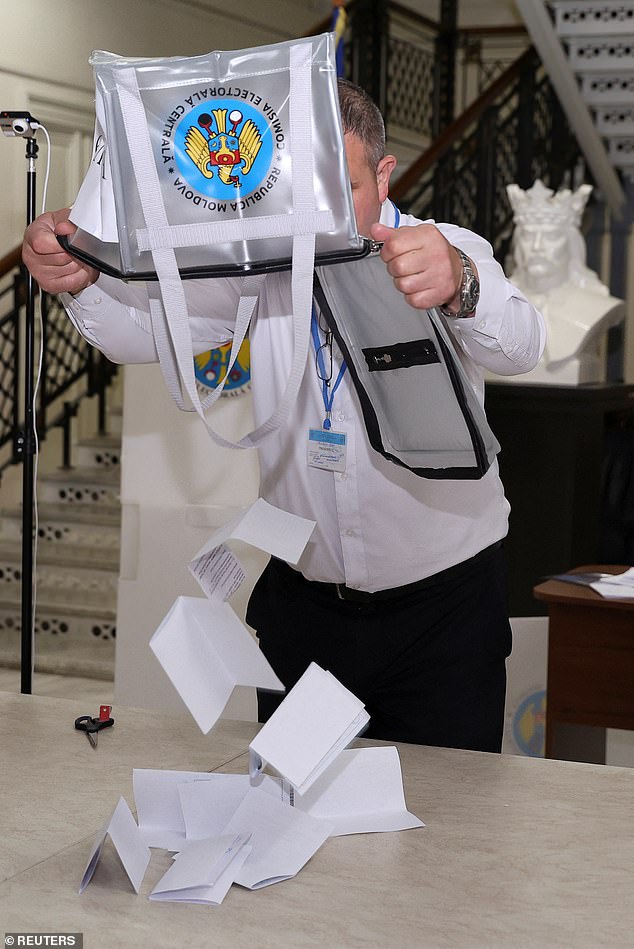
360,116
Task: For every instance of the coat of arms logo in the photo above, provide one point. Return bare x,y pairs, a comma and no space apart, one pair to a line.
225,150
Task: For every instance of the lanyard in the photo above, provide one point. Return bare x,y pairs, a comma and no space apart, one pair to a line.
327,393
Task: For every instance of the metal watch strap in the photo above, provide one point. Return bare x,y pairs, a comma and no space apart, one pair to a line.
469,290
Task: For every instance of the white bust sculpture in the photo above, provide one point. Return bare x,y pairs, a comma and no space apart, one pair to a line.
550,269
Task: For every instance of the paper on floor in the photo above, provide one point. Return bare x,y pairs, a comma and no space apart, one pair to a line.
206,651
313,724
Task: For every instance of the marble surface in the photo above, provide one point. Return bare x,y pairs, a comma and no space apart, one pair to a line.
517,852
55,788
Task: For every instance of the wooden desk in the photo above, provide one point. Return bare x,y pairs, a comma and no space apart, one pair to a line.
517,852
590,658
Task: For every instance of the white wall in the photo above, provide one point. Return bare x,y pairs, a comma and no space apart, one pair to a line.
177,486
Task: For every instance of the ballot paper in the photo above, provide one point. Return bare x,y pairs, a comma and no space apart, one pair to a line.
204,872
267,527
313,724
217,569
616,585
360,793
206,651
610,585
283,839
122,829
158,806
208,805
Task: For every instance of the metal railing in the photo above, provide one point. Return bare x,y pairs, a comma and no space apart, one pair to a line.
509,125
71,369
514,132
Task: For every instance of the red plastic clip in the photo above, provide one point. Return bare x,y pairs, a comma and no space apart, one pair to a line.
104,712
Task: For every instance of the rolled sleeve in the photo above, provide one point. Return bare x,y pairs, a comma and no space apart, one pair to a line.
122,332
115,317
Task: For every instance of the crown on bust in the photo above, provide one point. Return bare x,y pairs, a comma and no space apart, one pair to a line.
541,205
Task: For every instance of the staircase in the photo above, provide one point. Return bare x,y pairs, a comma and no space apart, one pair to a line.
78,532
599,38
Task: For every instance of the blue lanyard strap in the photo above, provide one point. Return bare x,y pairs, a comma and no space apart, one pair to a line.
327,393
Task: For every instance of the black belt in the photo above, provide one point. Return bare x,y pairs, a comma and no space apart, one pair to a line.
341,592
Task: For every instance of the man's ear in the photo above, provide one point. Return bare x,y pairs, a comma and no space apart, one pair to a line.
384,171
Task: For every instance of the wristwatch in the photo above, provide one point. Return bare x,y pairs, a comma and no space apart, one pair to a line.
469,290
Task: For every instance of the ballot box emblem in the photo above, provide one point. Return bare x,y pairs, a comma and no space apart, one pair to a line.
223,151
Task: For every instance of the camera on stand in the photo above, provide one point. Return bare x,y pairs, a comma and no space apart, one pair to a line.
18,123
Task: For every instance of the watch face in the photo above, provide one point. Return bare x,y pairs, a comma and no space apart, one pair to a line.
470,293
470,288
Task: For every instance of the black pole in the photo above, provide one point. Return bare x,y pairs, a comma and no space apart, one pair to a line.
28,445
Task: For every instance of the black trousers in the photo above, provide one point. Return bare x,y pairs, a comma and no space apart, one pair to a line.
429,665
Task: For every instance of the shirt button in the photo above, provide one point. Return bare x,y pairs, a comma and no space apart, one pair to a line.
97,301
349,533
482,324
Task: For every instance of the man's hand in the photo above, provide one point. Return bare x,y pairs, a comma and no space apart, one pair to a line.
426,268
54,269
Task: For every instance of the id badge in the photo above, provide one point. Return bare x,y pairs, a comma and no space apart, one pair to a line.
326,449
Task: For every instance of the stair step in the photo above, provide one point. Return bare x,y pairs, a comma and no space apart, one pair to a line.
615,121
74,588
589,18
601,54
99,451
81,485
53,512
68,640
607,89
621,151
80,552
81,474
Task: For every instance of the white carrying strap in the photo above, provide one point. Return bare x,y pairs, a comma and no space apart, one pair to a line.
169,312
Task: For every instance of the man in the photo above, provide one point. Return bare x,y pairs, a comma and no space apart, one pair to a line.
401,591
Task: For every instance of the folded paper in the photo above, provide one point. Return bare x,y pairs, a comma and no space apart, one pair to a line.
206,651
313,724
158,806
282,840
204,872
361,793
124,833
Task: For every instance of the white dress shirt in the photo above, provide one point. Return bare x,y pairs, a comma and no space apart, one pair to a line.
378,525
